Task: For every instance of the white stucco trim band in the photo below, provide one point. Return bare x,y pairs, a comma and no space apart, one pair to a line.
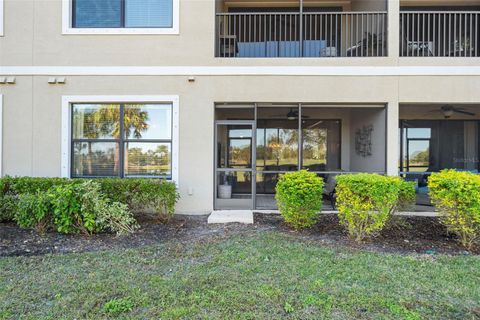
233,70
67,126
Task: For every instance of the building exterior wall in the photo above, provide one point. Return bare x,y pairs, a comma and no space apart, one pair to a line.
33,49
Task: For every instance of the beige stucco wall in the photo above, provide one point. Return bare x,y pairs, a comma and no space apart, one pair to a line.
33,36
32,114
376,118
32,107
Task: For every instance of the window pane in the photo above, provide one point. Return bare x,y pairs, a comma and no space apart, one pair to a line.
97,14
96,121
321,145
95,159
148,13
315,149
148,121
419,153
240,133
277,145
279,149
148,159
240,153
425,133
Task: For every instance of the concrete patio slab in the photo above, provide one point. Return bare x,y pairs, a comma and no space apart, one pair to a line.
231,216
406,213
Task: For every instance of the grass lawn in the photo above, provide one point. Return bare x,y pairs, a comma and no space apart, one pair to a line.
258,275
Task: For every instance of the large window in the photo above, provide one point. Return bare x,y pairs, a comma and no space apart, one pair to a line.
121,16
121,140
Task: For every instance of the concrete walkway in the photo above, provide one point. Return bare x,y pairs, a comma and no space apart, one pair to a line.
231,216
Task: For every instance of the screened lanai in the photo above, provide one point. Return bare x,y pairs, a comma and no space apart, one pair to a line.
257,143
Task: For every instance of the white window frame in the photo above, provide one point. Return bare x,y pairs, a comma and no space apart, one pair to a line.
67,28
2,17
67,102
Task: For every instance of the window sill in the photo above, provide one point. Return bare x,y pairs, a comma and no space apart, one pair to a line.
120,31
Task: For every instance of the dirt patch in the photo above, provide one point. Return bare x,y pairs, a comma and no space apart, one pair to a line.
414,235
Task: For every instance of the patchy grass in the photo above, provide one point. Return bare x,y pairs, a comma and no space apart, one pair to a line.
264,275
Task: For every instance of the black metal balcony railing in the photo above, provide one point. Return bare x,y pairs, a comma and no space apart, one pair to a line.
439,34
332,34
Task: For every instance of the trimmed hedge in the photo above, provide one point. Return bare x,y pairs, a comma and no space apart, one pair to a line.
457,195
135,194
299,198
143,194
366,201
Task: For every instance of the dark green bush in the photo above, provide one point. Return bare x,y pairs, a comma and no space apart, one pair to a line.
69,215
34,211
143,194
8,201
23,185
365,201
8,207
85,205
299,198
73,208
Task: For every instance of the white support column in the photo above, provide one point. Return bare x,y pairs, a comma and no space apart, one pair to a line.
393,138
393,29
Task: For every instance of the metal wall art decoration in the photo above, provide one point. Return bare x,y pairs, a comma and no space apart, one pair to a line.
363,141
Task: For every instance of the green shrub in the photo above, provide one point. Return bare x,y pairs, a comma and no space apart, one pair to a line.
8,201
406,196
457,196
34,211
116,218
299,198
83,207
137,194
366,201
11,188
8,207
141,194
109,216
69,214
159,195
73,208
23,185
118,190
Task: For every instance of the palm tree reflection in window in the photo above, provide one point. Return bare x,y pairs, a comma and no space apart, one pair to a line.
98,137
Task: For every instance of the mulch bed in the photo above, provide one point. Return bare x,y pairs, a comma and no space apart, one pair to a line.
422,235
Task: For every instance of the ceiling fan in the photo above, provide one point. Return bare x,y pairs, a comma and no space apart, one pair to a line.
292,115
448,111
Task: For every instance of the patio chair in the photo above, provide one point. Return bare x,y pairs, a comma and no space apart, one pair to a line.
329,189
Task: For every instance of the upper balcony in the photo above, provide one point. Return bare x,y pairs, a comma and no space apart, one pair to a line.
309,28
439,29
